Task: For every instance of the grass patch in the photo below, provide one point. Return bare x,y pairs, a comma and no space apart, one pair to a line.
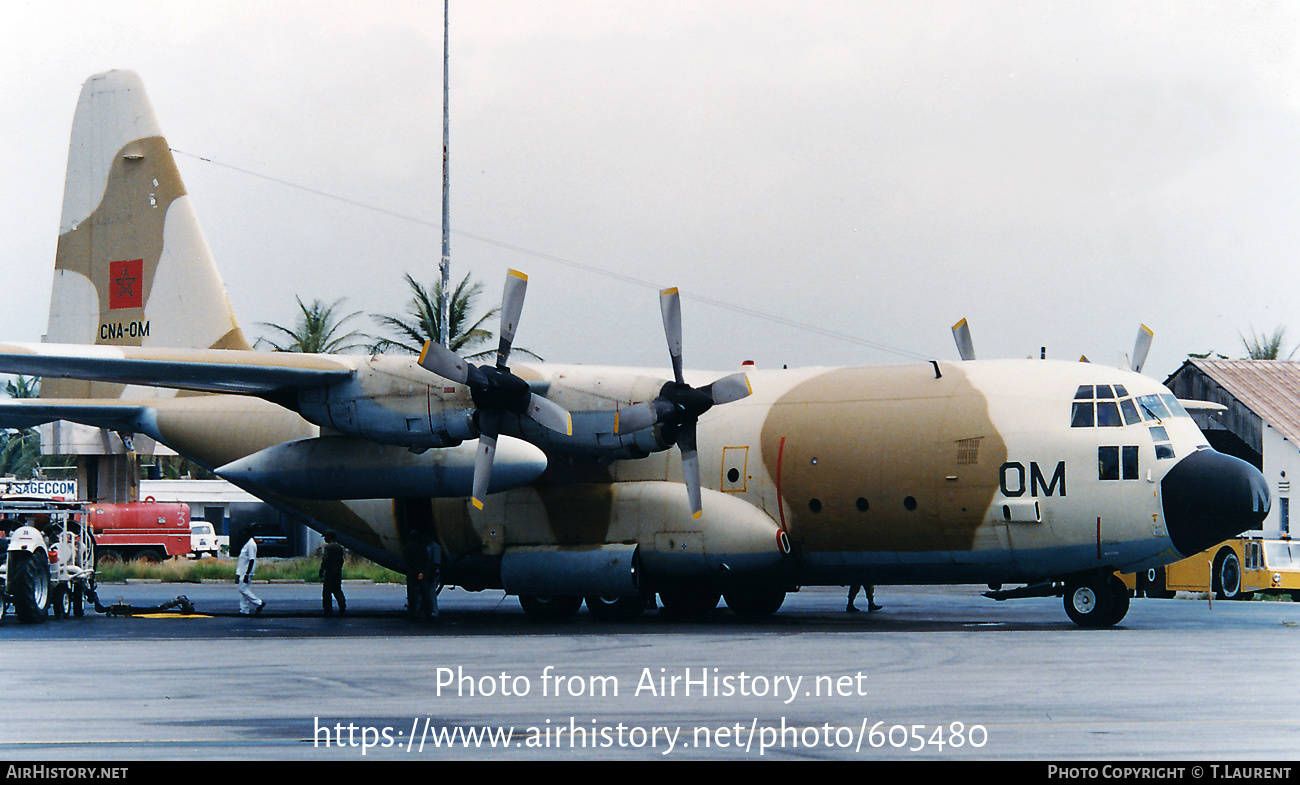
192,571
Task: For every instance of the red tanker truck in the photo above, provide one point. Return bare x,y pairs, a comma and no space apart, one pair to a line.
147,530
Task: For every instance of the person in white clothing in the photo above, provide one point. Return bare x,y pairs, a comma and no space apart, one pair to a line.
248,602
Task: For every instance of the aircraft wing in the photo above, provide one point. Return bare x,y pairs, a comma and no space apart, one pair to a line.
30,412
203,370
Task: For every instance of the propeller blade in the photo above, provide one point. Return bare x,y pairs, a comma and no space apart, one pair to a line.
512,305
729,388
444,362
965,344
670,303
691,468
636,417
1141,347
489,427
550,414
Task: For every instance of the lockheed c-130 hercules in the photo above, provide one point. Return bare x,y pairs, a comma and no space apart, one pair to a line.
562,482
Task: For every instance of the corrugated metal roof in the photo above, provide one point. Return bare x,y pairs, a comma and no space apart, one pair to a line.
1269,388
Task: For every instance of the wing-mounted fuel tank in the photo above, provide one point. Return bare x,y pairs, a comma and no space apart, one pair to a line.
347,467
390,400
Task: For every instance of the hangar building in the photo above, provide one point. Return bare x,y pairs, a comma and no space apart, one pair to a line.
1261,424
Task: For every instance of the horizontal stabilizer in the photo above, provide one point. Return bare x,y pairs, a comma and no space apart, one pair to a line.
204,370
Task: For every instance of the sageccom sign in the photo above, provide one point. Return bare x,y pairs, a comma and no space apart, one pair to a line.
66,489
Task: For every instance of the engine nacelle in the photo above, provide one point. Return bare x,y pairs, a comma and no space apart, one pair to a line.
393,401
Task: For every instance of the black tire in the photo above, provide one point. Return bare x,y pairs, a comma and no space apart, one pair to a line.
1226,579
1155,584
689,602
544,608
78,602
108,558
61,601
755,602
1095,601
148,556
621,608
29,585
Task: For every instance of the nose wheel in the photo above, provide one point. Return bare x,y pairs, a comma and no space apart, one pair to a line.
1096,600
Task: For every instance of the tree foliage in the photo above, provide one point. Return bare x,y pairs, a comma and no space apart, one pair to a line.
423,321
1266,347
319,330
20,450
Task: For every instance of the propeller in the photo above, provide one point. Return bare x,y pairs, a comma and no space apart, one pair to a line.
965,344
1140,348
495,390
678,406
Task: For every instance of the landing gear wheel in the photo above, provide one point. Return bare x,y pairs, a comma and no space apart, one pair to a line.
1095,601
29,585
755,602
1227,575
690,601
622,608
549,608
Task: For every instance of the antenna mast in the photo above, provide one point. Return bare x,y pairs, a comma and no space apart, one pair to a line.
444,302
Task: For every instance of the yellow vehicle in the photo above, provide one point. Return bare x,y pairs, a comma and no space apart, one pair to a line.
1234,569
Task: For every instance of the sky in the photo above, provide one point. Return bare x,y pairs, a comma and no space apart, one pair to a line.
828,183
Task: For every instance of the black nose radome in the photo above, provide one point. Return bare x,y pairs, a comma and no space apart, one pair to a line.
1209,497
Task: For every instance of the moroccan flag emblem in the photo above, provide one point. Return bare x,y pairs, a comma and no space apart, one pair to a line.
126,284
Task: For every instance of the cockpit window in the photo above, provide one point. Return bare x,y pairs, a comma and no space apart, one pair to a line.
1153,406
1175,408
1108,414
1111,406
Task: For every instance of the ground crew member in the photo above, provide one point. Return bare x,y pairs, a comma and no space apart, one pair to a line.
871,597
331,575
422,563
248,602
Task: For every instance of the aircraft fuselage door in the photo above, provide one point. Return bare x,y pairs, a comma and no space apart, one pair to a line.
735,469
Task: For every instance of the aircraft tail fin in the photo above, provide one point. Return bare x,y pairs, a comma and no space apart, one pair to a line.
132,267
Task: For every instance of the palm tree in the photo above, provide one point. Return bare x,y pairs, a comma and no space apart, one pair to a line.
1266,347
318,331
423,321
20,450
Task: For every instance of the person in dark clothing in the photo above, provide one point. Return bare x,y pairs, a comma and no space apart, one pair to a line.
870,591
422,563
331,575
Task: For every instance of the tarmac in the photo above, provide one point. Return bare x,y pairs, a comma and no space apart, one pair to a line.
941,673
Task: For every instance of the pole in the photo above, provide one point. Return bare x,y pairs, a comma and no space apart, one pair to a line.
444,302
